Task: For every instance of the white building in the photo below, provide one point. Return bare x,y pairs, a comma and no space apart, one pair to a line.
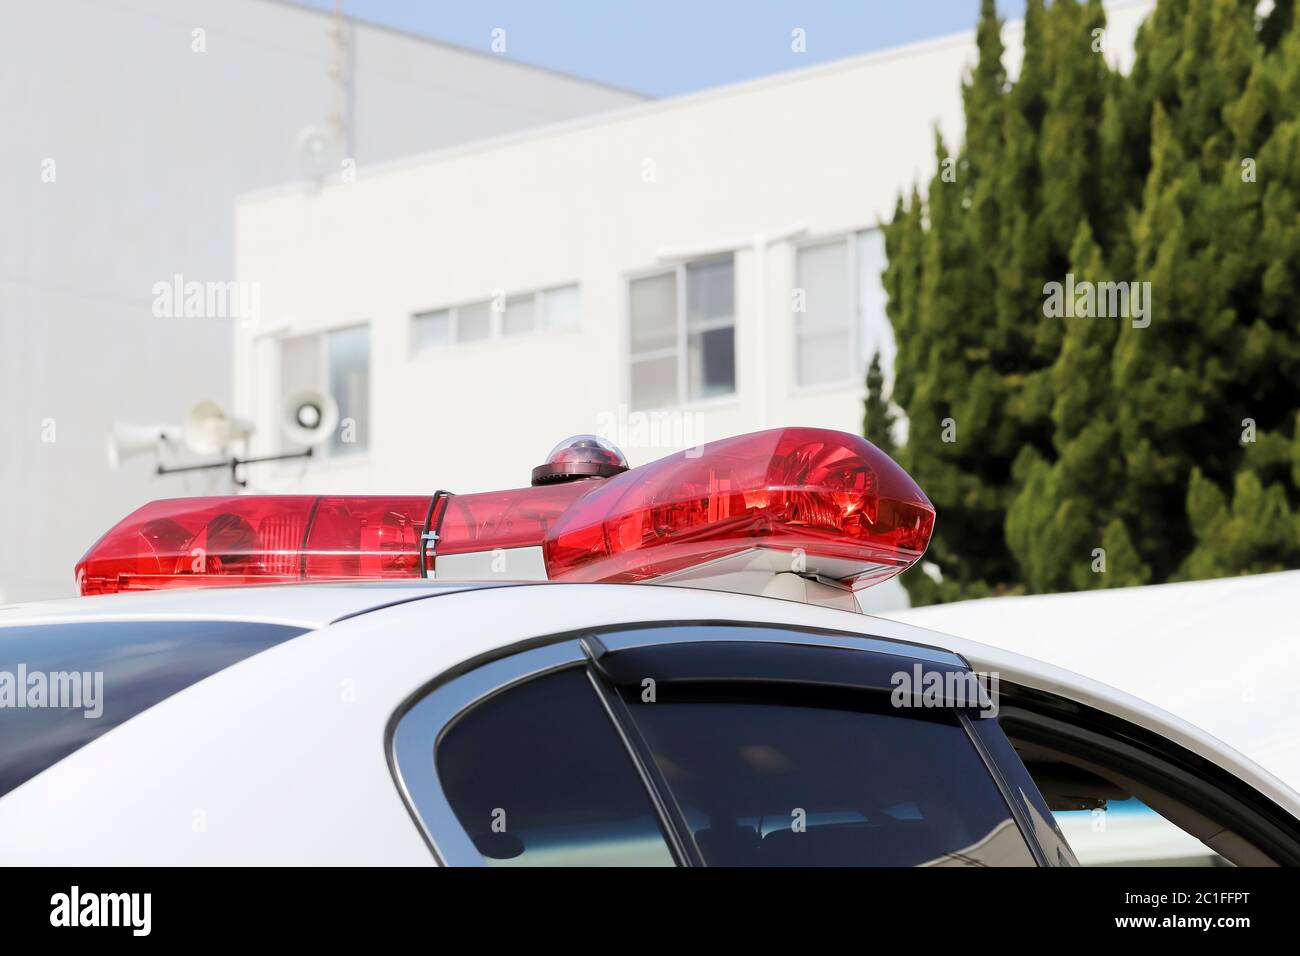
469,307
129,128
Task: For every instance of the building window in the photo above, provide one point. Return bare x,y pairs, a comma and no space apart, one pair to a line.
546,309
842,322
430,329
474,322
560,307
520,315
683,334
336,363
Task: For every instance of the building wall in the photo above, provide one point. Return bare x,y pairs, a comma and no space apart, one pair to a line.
151,143
825,151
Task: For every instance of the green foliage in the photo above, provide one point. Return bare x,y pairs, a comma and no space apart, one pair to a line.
877,416
1170,439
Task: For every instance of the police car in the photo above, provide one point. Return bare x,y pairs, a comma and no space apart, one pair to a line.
654,666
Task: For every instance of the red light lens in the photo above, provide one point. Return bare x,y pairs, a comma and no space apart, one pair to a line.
365,538
193,542
847,507
518,518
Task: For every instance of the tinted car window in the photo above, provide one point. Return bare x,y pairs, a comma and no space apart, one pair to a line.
63,685
812,778
1129,833
538,775
1024,789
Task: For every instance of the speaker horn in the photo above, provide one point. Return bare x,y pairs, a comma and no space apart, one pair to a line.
128,441
207,430
309,418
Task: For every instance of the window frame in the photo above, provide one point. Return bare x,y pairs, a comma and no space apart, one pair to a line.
859,362
1158,763
496,327
681,346
324,449
416,729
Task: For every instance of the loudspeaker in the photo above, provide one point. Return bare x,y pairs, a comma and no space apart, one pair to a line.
207,430
127,441
309,418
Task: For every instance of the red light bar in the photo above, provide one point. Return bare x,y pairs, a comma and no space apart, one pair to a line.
191,542
825,503
842,508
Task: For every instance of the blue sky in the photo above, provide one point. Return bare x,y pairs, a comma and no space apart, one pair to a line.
667,47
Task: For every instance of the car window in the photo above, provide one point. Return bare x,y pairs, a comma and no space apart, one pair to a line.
63,685
1127,795
1023,789
1129,833
755,746
814,777
538,775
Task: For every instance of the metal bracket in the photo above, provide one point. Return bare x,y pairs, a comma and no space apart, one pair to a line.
233,464
429,537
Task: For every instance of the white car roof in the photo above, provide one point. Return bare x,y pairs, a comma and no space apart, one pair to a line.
1222,654
299,605
278,716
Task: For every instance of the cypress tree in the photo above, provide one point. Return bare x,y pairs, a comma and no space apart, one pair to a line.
1243,503
943,300
1105,452
877,416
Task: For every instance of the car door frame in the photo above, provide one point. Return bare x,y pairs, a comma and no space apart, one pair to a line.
418,725
1091,734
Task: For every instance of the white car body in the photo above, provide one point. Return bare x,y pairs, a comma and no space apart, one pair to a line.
1221,654
281,758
